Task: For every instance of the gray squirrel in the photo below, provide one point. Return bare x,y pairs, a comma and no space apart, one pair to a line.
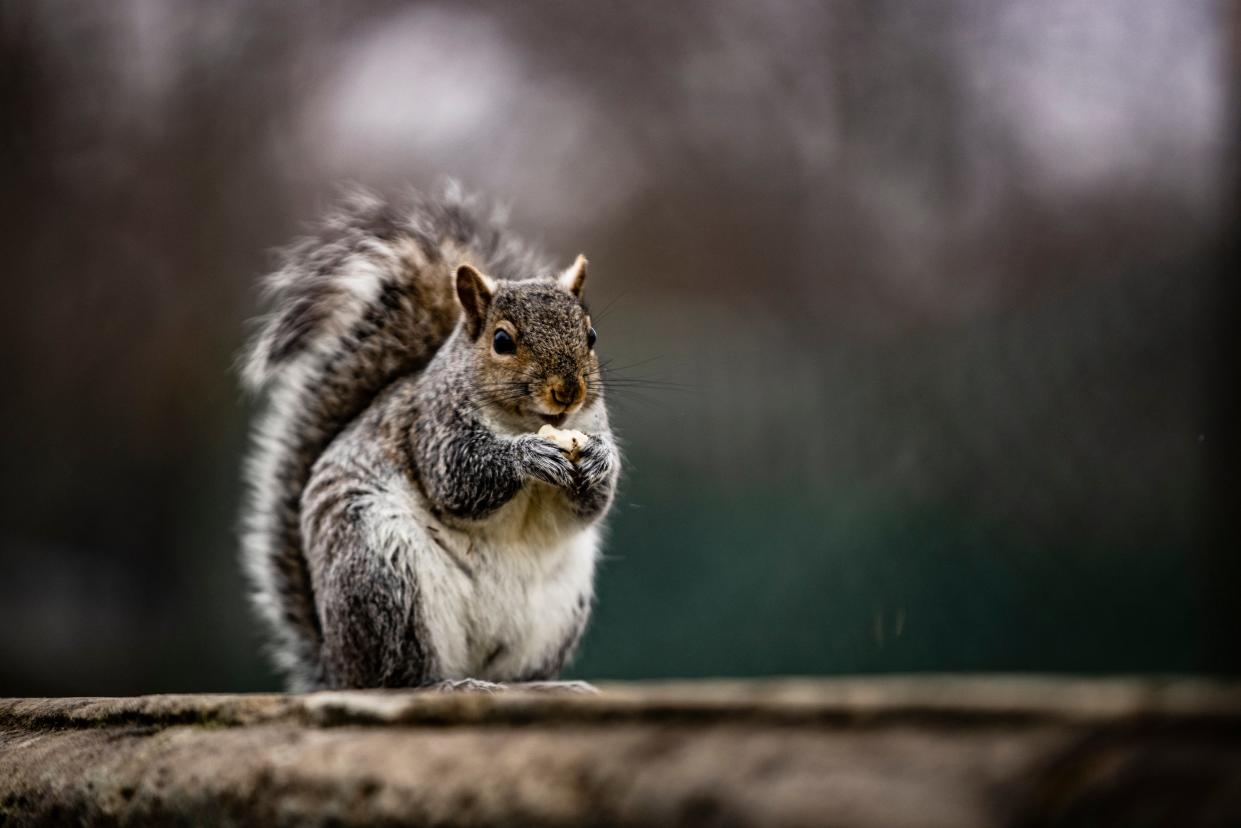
428,477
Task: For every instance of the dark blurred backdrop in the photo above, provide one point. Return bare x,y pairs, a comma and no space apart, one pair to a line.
937,295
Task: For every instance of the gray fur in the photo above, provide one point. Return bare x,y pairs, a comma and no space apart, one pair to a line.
400,505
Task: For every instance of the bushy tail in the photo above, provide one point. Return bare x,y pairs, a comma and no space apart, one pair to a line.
367,299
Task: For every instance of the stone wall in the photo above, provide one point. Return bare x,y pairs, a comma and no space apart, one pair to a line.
888,752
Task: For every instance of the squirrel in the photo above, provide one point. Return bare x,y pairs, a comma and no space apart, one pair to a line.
429,474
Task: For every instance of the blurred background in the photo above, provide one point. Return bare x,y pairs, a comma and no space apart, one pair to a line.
936,298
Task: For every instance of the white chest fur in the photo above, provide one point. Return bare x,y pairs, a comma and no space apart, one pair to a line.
500,599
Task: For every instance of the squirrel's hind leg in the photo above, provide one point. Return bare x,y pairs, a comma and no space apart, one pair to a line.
367,594
372,631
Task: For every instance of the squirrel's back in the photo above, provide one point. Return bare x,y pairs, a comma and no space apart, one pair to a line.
365,300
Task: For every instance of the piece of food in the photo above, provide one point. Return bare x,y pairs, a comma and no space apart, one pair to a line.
569,441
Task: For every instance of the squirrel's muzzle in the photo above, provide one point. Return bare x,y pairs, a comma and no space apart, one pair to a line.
567,391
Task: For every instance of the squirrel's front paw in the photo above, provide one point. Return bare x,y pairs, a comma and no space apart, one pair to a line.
543,460
595,461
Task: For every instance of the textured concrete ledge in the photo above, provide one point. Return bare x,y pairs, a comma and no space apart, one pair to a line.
884,752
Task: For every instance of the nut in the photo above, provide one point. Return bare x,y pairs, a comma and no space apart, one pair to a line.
568,440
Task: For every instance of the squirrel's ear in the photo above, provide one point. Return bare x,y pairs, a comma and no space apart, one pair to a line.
573,278
474,292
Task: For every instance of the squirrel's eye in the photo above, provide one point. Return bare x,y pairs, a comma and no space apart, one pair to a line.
503,342
591,336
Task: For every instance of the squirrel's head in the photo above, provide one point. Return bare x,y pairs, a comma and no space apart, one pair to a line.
531,344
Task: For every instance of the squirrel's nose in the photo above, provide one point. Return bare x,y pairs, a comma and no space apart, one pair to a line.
567,391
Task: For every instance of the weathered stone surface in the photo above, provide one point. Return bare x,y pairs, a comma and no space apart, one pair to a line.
886,752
